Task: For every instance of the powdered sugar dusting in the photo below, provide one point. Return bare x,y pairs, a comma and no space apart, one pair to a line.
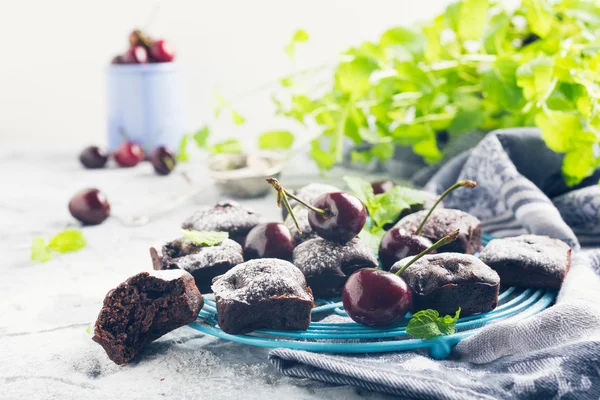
316,255
529,252
261,279
301,214
228,251
226,216
169,274
436,270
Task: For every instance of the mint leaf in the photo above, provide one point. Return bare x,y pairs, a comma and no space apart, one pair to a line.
39,251
371,238
361,189
201,136
205,238
323,159
538,17
229,146
558,129
500,83
274,140
426,324
182,154
300,36
473,18
67,240
237,118
352,77
535,77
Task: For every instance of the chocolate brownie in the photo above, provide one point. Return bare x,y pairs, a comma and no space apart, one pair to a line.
142,309
529,260
446,281
266,293
309,193
327,265
442,222
301,214
226,216
203,262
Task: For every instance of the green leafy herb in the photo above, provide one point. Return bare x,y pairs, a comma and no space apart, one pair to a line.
67,240
274,140
229,146
371,238
426,324
384,208
471,68
39,251
300,36
63,242
205,238
88,330
201,136
182,154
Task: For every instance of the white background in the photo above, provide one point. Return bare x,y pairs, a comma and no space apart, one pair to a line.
53,54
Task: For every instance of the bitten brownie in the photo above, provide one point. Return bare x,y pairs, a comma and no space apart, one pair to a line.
203,262
444,282
327,265
226,216
441,223
529,260
142,309
265,293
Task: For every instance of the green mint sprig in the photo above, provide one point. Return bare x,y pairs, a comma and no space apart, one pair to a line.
205,238
426,324
63,242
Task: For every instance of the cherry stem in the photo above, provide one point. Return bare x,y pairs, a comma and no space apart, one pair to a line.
449,238
465,183
282,197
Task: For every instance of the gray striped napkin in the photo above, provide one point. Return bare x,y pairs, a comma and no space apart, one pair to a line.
554,354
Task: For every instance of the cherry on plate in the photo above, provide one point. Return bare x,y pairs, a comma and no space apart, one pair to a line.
163,160
129,154
269,240
89,206
93,157
374,297
340,218
398,244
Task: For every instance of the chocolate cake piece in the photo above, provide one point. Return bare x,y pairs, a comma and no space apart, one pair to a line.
529,260
142,309
327,265
443,221
226,216
309,193
446,281
203,262
266,293
301,214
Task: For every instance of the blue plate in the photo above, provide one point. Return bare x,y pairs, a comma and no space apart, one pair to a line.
350,337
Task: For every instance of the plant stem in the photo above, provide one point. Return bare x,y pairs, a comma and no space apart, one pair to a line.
465,183
340,132
282,197
451,237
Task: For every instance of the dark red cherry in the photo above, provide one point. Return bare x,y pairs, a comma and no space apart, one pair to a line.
341,218
136,55
398,244
374,297
118,59
89,206
162,51
129,154
163,160
93,157
269,240
382,186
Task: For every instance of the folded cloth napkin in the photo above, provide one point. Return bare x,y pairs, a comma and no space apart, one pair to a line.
554,354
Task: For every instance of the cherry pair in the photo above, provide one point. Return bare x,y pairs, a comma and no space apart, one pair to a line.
142,50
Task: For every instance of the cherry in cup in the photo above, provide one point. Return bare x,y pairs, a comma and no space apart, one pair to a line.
397,243
129,154
136,55
337,217
379,298
162,51
269,240
89,206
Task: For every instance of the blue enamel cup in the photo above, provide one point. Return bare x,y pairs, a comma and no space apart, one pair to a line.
145,105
